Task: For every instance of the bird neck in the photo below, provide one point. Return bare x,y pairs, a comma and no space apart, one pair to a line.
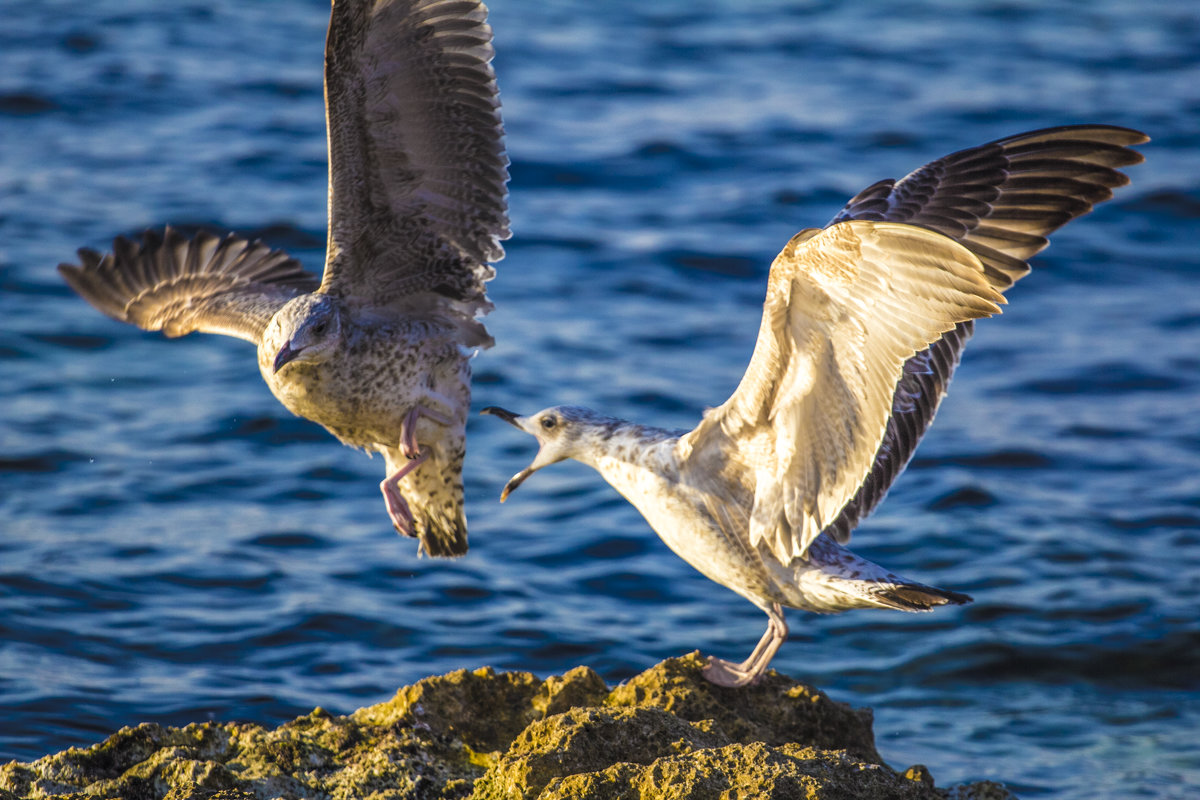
616,446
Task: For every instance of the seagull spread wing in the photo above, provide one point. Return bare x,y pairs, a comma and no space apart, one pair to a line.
1000,201
179,285
417,167
846,308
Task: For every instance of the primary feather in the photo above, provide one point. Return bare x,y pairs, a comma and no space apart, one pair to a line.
417,208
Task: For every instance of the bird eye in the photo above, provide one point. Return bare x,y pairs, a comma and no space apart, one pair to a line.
320,327
549,422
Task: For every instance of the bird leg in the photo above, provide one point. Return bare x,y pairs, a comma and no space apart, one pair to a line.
397,506
408,430
726,673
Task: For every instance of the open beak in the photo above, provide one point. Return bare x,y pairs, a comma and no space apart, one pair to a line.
504,414
285,354
514,420
515,481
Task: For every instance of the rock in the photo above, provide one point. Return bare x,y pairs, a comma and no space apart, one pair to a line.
666,733
776,711
586,741
751,771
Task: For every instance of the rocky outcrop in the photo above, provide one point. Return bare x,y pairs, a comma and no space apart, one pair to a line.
666,734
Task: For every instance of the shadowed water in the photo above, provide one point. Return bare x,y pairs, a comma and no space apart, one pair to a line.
176,547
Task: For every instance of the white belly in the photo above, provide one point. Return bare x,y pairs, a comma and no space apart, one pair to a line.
681,520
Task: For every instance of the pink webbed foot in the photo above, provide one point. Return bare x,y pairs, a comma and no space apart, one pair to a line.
408,431
397,506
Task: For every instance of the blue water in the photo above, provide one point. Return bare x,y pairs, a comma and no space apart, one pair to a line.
176,547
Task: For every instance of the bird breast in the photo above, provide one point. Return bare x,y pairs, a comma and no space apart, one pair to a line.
367,386
706,527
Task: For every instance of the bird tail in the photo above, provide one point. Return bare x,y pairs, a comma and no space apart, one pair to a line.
442,531
916,596
833,578
434,493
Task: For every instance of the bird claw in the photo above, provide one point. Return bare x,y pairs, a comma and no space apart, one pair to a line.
725,673
402,520
397,506
401,515
752,670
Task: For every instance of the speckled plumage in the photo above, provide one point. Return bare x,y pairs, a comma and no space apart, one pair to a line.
862,327
379,352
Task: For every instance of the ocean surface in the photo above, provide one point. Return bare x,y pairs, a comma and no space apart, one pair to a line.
176,547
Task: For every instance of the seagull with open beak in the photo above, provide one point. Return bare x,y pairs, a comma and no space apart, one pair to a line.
544,427
863,323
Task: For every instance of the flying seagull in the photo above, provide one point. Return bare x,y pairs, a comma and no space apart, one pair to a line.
862,327
377,350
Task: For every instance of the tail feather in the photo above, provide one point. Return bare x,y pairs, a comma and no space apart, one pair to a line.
833,578
434,493
443,534
917,596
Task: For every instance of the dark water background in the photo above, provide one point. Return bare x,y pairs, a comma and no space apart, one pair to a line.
176,547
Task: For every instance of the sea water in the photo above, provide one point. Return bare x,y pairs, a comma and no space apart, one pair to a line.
176,547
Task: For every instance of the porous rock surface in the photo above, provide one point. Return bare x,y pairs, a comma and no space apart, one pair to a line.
666,734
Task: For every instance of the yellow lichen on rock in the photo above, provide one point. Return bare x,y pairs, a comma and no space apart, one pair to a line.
665,734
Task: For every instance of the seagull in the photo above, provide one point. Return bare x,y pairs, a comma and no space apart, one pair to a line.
863,325
377,351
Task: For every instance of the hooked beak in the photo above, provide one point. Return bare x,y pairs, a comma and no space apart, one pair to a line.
504,414
285,354
512,419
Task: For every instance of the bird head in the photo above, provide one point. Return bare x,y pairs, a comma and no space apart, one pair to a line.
305,331
559,431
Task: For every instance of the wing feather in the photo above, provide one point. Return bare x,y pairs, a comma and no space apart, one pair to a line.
1000,201
846,308
179,285
417,162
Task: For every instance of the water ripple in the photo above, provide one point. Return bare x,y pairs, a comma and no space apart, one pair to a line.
177,547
